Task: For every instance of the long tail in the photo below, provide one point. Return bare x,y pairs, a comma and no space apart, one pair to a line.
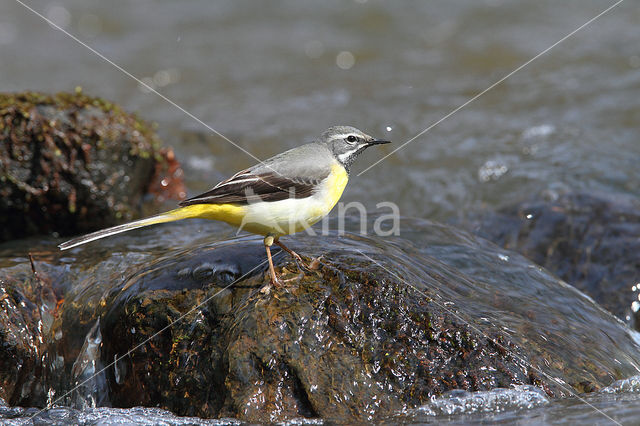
170,216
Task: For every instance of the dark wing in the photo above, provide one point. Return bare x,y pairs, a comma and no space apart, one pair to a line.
246,187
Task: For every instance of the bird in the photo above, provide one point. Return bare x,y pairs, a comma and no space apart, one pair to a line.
282,195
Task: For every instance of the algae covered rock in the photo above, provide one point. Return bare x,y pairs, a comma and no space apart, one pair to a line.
590,241
70,163
380,327
341,343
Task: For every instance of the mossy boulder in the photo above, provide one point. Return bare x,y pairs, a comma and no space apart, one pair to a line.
71,163
381,326
344,343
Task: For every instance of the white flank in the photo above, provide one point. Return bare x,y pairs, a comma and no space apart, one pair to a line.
290,215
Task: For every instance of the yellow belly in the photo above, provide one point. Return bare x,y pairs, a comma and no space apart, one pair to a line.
277,217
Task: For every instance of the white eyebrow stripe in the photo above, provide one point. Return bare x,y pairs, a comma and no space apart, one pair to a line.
345,135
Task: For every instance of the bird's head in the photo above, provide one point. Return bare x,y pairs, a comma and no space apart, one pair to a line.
346,143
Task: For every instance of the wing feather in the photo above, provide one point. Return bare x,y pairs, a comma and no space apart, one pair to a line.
246,187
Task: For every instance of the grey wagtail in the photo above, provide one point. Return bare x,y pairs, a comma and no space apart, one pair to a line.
280,196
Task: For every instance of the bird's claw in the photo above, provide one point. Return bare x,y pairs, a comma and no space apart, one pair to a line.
315,264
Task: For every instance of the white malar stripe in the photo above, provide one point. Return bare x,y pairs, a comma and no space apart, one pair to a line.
345,156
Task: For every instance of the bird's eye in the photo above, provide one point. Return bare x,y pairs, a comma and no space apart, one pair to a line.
352,139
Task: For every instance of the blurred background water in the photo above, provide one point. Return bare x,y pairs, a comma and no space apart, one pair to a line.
270,77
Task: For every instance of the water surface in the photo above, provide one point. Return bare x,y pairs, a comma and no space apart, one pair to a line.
267,78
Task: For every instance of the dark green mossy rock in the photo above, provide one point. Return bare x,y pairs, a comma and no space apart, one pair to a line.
70,163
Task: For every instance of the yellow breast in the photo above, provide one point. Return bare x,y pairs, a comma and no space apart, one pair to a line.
336,183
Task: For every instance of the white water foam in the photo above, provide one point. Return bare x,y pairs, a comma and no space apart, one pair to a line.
494,401
630,385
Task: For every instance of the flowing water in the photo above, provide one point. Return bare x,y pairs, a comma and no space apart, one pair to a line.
271,77
489,288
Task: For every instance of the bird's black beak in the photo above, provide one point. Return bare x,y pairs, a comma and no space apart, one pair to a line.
377,142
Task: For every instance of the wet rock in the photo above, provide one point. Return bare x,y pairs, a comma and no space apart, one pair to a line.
70,163
592,242
27,305
380,327
18,354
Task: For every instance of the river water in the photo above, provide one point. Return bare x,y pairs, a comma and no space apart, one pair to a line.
269,77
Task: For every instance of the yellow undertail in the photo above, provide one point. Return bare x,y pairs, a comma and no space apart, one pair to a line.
230,213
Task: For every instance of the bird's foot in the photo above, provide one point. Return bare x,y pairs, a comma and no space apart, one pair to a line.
275,283
300,263
297,278
315,263
303,266
266,289
298,258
